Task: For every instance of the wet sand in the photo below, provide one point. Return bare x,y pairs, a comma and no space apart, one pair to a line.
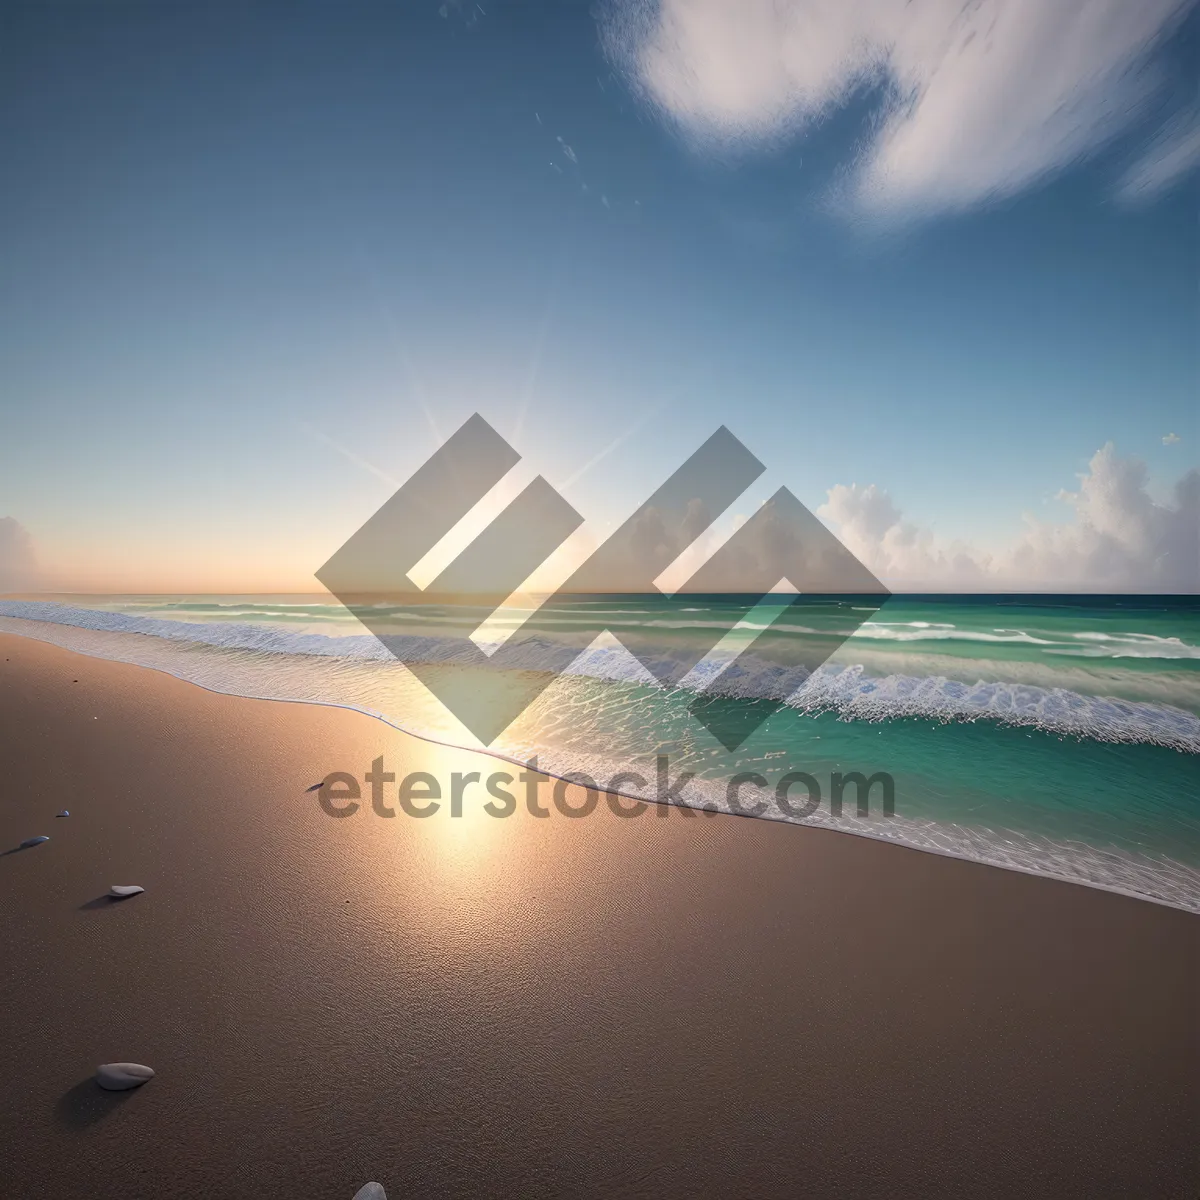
678,1005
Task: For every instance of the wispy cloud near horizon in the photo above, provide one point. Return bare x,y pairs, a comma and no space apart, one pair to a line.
979,99
18,564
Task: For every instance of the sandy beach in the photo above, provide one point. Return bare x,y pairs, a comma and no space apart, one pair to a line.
673,1005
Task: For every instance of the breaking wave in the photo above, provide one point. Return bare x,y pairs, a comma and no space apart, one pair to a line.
851,690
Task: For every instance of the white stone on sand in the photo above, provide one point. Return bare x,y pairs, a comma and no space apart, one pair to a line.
64,813
371,1191
120,1077
34,841
121,890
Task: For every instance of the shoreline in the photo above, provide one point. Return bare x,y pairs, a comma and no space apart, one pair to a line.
537,1007
498,756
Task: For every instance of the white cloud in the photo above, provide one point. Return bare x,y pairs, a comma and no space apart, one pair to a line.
1172,439
978,98
18,566
1118,539
1172,155
897,551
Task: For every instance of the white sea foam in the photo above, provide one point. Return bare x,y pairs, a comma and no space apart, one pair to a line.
1127,871
1132,645
921,631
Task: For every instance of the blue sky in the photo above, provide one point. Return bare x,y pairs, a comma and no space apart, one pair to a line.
258,258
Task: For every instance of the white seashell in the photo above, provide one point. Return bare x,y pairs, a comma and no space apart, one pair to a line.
64,813
120,1077
122,890
34,841
371,1191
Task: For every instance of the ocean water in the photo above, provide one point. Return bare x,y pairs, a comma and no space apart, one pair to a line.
1053,735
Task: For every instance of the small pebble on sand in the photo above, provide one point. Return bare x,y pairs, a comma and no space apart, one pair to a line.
120,1077
34,841
122,891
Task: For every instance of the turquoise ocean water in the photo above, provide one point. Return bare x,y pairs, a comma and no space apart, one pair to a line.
1055,735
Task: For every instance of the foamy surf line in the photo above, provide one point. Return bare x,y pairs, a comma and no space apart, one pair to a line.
846,690
1159,880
